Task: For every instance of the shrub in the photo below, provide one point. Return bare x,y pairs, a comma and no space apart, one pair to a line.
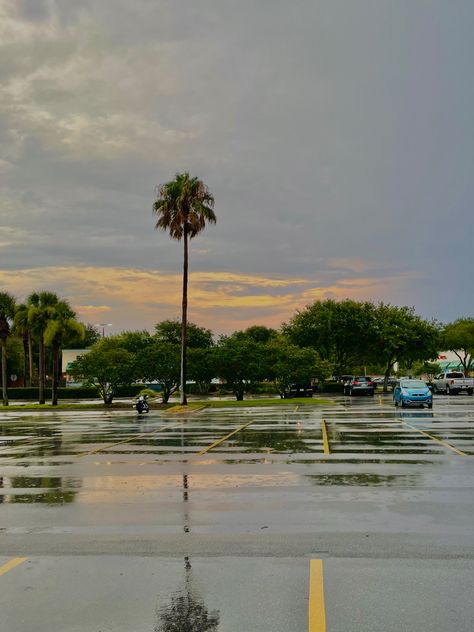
331,387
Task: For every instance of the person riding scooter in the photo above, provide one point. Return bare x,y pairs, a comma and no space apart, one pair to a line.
141,405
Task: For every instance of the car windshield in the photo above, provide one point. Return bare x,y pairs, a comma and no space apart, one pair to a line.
362,378
413,384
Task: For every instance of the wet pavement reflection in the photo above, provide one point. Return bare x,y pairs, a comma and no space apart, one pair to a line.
186,611
94,484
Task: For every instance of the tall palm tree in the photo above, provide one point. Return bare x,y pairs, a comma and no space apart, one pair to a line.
40,311
183,206
62,325
7,312
22,328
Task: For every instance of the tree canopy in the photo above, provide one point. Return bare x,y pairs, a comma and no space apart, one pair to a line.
458,337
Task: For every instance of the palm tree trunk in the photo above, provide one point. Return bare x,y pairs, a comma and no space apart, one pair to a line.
184,321
4,372
41,367
54,390
30,360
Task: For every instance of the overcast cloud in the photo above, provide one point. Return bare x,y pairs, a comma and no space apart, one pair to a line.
336,137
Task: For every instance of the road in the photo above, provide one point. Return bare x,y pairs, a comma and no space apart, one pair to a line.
353,516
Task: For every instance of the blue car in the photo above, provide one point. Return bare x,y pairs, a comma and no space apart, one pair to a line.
412,393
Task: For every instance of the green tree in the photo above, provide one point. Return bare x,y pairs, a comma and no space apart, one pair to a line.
15,356
105,367
183,206
161,363
197,337
459,338
7,313
426,368
402,336
289,363
202,367
133,341
89,336
241,362
61,327
21,328
40,311
340,331
260,333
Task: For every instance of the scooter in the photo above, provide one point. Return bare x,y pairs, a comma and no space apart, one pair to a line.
141,405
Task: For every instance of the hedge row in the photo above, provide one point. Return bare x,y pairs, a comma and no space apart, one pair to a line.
82,392
331,387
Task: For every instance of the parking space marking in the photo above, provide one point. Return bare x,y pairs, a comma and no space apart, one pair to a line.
316,609
12,564
430,436
219,441
324,429
138,436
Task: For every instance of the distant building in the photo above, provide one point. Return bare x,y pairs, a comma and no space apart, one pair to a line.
449,361
68,357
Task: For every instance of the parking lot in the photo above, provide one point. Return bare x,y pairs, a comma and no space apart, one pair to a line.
352,516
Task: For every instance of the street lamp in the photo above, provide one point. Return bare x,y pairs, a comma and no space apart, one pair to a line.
103,325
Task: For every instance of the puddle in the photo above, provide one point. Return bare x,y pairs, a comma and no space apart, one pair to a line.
47,498
186,610
366,480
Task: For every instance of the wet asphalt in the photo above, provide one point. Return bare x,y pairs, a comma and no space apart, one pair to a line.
124,526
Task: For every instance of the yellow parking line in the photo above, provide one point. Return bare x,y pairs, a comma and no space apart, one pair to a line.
12,564
138,436
219,441
316,609
326,448
427,434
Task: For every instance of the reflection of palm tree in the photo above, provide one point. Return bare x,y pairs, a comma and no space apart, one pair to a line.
186,612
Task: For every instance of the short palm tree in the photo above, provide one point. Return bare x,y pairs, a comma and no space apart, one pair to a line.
41,309
7,312
183,206
62,325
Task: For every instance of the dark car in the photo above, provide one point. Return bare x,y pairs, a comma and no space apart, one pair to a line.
298,389
359,385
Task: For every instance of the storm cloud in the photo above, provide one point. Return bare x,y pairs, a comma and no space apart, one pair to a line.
336,137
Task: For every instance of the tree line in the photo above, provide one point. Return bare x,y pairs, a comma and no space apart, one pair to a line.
32,335
327,338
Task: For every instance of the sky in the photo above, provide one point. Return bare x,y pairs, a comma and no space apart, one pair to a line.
336,137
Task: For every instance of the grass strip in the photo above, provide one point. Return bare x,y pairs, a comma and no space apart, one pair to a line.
192,407
172,407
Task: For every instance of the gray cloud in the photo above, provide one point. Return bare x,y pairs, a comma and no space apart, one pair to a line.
326,130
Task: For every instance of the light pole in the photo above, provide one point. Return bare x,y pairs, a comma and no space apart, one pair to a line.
103,325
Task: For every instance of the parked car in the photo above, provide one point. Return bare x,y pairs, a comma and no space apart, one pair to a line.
359,385
452,382
411,392
298,389
378,381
